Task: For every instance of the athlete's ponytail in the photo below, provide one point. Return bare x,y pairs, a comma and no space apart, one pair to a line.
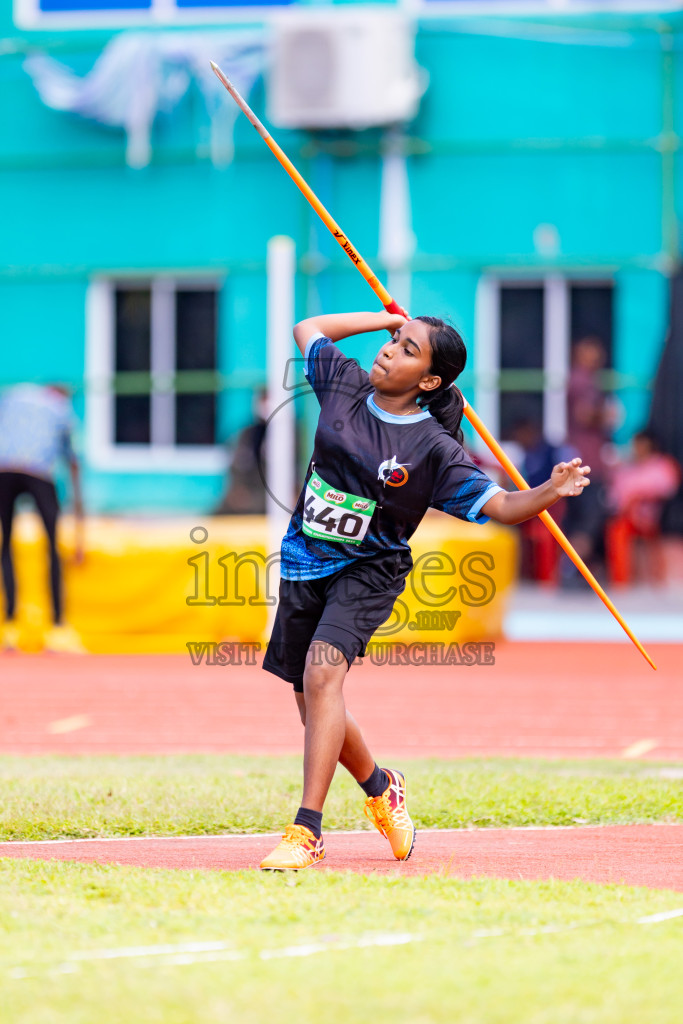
449,355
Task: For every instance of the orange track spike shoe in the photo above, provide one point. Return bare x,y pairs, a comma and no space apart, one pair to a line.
389,815
297,849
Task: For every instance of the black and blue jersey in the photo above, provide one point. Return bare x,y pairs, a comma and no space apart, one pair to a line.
372,476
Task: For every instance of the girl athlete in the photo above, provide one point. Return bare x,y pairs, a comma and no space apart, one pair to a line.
387,447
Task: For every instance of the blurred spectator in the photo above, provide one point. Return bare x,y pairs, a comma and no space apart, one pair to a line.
35,432
246,492
637,494
590,416
540,551
539,455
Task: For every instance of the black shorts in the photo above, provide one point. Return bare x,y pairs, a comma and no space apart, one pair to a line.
343,610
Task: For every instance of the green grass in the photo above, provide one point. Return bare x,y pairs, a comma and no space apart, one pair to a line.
71,797
593,964
484,951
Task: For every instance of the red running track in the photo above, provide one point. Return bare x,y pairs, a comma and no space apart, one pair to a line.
537,700
646,855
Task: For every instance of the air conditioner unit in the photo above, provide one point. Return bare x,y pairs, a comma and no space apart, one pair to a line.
343,69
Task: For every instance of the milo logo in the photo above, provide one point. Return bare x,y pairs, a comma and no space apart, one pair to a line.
336,497
316,483
361,506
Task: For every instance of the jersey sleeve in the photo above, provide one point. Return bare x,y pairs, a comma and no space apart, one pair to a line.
462,489
328,370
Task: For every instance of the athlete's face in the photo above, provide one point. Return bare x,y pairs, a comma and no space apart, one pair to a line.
402,364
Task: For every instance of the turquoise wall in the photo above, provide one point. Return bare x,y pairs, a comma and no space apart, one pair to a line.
575,127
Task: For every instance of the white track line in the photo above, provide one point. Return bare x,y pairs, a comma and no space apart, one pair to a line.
64,725
338,832
639,748
188,953
125,952
308,949
140,839
666,915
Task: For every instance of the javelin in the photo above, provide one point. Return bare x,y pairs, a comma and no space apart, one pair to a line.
392,306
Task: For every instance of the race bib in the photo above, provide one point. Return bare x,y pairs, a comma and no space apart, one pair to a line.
335,515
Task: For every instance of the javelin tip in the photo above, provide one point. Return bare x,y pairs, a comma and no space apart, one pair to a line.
222,77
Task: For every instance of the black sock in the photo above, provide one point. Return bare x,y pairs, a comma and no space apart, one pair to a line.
310,819
376,784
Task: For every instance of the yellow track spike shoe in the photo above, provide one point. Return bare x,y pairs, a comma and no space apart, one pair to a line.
63,640
297,849
389,815
9,636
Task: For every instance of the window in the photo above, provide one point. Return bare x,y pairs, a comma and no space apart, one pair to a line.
152,375
524,334
133,353
195,333
591,314
521,349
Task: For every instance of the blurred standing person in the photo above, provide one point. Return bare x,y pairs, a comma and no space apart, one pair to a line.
539,454
540,553
246,491
638,493
35,432
589,418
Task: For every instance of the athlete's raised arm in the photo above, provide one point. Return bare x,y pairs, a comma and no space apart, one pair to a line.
567,479
343,325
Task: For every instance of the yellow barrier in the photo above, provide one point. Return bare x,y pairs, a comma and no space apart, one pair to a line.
155,585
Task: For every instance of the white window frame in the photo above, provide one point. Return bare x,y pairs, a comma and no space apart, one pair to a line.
556,346
28,15
505,8
161,455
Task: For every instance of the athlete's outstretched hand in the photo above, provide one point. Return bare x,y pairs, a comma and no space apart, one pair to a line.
570,478
510,507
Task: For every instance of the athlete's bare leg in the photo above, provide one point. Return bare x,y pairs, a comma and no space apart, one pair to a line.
355,755
327,724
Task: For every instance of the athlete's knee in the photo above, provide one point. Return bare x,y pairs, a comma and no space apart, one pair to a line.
325,668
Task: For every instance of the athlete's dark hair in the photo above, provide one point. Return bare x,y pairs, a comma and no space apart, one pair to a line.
449,356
